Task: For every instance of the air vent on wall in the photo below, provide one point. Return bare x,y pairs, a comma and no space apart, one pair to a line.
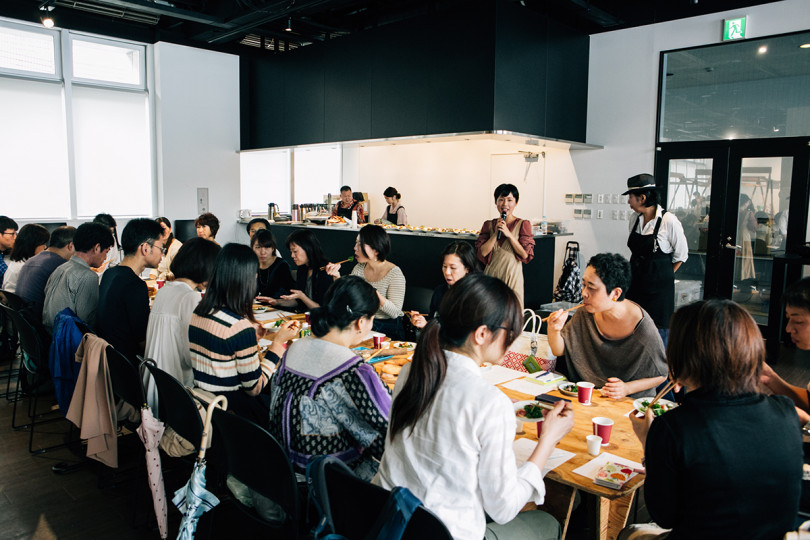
109,11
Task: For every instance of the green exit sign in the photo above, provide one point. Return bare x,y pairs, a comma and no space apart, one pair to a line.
734,29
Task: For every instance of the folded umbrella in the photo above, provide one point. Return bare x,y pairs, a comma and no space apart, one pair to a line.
150,431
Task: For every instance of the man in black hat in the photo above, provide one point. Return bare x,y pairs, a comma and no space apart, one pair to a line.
658,247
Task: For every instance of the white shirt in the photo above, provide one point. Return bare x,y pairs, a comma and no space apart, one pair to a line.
670,235
167,334
459,459
12,275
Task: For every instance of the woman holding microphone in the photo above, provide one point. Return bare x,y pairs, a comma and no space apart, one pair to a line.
506,243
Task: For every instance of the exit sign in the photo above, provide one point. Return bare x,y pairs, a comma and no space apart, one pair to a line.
734,29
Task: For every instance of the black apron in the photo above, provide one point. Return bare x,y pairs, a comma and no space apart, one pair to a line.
346,212
652,284
392,218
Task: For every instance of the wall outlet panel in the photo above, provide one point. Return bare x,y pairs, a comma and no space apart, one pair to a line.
202,200
600,198
600,214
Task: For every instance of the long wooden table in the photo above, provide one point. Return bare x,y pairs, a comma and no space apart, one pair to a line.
607,508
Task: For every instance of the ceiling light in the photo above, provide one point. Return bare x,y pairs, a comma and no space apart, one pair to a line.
763,49
289,25
46,16
804,46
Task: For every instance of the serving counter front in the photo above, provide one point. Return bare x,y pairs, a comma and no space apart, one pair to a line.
417,254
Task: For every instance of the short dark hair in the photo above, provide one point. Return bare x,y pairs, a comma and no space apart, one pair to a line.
347,299
264,238
797,295
376,238
465,252
651,196
392,192
194,260
716,344
208,219
306,240
256,220
87,235
504,190
232,285
613,270
345,188
139,231
30,237
62,236
108,221
7,223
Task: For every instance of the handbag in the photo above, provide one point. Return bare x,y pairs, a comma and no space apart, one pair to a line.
529,350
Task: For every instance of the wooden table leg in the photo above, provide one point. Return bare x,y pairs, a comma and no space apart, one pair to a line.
559,502
608,517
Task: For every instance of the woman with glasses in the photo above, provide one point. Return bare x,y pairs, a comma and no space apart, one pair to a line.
450,434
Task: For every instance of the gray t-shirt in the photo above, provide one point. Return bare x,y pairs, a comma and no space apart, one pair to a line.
72,285
592,357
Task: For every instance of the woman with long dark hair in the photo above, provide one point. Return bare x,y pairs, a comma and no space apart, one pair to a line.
311,283
727,463
116,254
325,398
458,260
171,244
32,239
450,435
223,335
274,278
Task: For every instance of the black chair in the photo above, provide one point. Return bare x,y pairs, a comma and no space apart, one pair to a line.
176,407
347,493
256,459
125,378
16,303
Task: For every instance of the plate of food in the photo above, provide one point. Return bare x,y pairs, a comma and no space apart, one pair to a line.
336,220
403,345
567,388
258,308
529,411
660,407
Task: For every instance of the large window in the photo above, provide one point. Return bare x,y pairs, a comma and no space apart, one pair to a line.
75,135
751,89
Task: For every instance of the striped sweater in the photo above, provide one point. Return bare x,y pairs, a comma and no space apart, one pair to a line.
224,356
391,286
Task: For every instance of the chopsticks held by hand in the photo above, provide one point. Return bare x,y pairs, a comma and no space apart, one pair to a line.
566,311
350,259
669,386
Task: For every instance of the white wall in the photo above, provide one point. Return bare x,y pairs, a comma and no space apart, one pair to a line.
622,100
197,125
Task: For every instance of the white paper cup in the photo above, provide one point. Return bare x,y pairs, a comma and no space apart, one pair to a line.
594,444
519,426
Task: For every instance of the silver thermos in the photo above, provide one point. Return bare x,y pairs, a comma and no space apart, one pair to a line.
271,211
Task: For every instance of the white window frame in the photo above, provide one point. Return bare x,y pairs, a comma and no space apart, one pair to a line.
111,42
57,45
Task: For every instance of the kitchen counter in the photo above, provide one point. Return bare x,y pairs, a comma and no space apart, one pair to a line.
418,255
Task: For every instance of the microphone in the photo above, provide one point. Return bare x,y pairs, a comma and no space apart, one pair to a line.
503,217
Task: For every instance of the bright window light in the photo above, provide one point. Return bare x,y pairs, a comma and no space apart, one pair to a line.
317,172
27,51
265,178
109,63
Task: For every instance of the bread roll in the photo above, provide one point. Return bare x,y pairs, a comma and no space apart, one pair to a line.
393,369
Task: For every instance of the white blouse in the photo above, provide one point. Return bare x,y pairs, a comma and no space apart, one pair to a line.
671,238
459,459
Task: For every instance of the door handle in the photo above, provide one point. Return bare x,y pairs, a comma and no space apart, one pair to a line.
728,244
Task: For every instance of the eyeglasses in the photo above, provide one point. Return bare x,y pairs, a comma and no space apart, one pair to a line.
10,233
162,249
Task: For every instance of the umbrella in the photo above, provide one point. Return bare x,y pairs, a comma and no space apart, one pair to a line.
193,499
150,431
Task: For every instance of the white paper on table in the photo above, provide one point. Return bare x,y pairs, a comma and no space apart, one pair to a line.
590,469
524,447
528,386
499,374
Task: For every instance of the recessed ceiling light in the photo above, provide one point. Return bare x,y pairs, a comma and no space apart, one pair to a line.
804,46
763,49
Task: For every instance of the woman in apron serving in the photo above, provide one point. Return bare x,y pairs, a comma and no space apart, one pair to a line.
506,243
394,212
658,247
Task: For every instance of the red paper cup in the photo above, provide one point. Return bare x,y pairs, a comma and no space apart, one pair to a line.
584,392
539,427
378,341
603,426
307,317
160,283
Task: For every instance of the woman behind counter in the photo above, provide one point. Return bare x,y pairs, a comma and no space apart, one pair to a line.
727,463
394,213
611,341
506,242
370,251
